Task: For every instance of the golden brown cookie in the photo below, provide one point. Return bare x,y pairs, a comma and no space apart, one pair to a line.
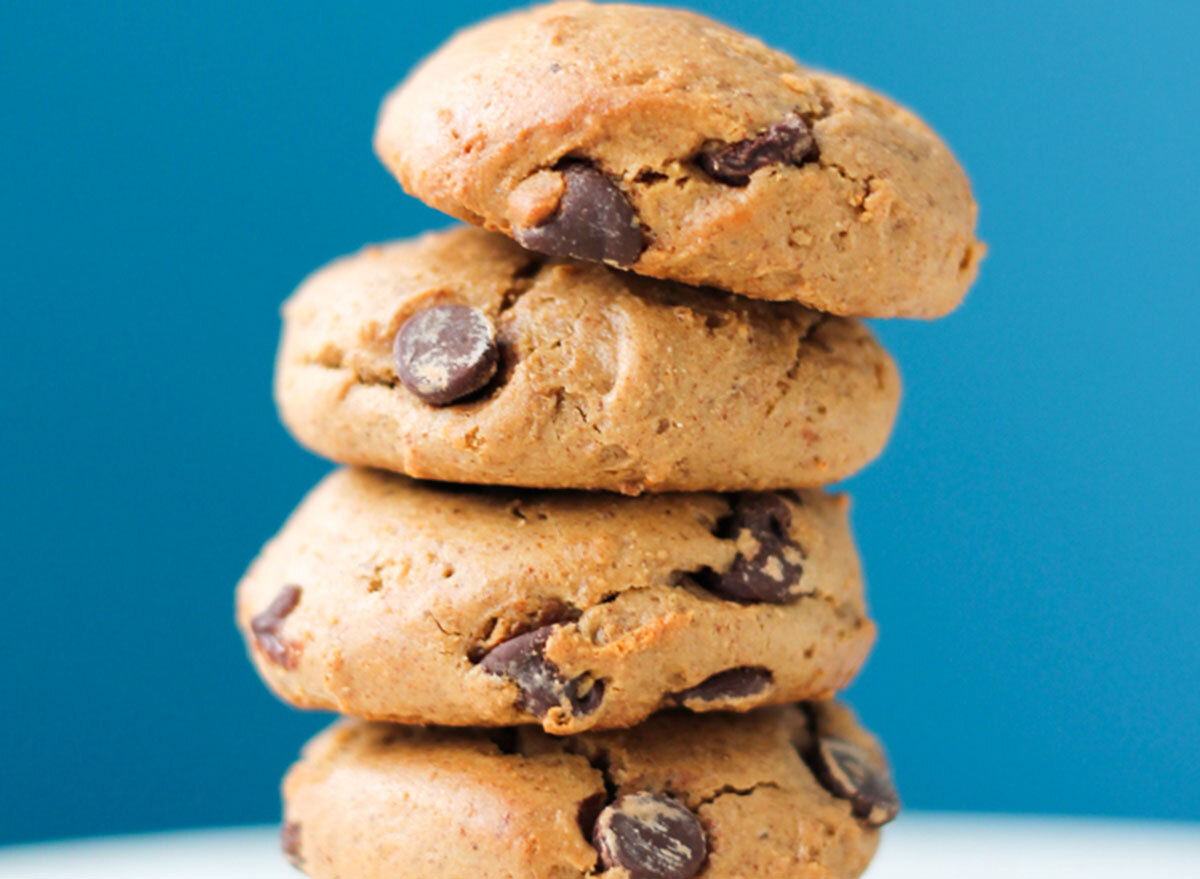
460,356
721,797
391,599
664,142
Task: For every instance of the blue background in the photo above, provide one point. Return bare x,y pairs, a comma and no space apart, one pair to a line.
171,171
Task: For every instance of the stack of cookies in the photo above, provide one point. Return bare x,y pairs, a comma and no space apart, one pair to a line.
579,587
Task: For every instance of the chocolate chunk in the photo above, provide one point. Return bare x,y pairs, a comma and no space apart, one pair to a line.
594,221
734,683
542,686
268,625
652,836
848,772
289,841
769,564
789,141
446,352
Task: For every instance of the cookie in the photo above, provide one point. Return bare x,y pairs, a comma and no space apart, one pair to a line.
721,796
460,356
391,599
663,142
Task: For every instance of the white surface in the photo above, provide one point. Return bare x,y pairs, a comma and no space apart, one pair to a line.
915,847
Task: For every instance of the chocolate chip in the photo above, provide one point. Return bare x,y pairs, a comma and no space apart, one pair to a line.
848,772
289,841
651,836
268,625
594,221
585,695
788,141
734,683
547,614
446,352
542,687
769,564
589,811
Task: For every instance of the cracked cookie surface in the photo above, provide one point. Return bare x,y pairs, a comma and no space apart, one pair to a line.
424,603
378,800
606,380
662,141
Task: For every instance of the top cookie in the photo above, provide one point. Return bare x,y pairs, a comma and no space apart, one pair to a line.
660,141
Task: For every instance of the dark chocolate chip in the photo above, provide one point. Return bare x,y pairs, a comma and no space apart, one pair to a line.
549,613
589,811
268,625
542,686
585,695
651,836
769,564
789,141
594,221
446,352
289,841
734,683
847,771
521,659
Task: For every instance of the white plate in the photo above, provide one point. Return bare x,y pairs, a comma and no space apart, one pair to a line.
915,847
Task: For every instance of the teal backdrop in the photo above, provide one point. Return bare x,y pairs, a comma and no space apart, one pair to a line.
171,170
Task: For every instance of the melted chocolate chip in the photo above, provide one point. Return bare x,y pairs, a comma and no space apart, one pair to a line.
848,772
446,352
289,842
268,625
789,141
769,564
651,836
594,221
542,686
734,683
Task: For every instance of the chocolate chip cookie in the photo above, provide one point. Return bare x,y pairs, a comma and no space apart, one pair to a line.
391,599
460,356
720,796
663,142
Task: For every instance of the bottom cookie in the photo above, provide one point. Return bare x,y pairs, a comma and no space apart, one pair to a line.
796,791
